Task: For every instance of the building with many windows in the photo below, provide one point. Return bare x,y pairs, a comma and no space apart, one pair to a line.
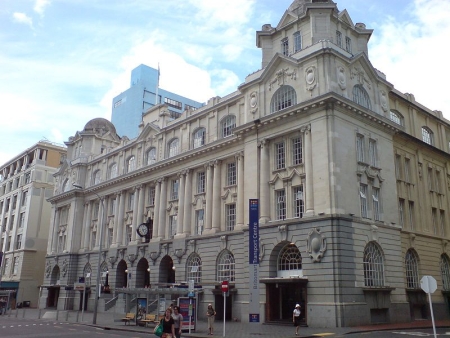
26,182
352,178
144,93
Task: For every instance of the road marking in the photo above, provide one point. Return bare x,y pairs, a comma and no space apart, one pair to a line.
324,334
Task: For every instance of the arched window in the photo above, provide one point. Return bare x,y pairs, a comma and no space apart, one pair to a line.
131,164
427,135
373,265
87,273
412,270
173,147
396,117
97,177
151,156
225,266
289,261
199,137
445,271
361,97
227,125
113,170
194,268
284,97
104,274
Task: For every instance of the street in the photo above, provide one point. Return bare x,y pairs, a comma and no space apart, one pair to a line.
440,332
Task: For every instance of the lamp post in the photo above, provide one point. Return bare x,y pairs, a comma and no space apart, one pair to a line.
148,270
97,296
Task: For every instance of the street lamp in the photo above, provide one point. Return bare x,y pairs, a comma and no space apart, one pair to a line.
94,317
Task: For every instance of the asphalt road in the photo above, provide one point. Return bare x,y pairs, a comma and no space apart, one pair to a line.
442,333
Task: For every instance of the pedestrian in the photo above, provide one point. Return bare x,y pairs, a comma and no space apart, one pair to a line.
210,313
296,317
168,325
178,319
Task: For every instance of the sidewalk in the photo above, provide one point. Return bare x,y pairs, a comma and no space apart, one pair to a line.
112,321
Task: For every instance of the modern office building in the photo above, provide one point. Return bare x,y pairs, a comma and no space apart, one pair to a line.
144,93
26,182
350,174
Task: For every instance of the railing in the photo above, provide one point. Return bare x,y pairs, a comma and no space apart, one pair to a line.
111,303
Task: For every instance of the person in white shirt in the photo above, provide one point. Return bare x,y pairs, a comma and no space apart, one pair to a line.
296,317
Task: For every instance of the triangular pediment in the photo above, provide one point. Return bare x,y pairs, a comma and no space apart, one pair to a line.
345,17
362,67
286,19
148,132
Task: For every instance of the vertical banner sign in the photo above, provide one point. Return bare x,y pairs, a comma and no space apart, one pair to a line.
253,257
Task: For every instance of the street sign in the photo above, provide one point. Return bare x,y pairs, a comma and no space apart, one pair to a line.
225,286
428,284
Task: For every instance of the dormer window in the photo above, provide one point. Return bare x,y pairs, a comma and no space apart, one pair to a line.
297,41
173,147
339,39
131,164
361,97
285,46
396,117
348,44
151,156
427,135
228,124
284,97
199,137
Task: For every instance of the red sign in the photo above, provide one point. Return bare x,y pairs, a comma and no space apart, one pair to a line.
225,286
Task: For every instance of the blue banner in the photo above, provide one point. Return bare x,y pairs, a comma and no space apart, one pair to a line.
253,258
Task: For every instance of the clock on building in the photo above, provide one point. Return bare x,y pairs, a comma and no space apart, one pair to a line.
142,229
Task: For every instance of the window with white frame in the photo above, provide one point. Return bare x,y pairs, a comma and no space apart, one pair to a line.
361,97
376,204
299,204
110,236
412,270
16,265
437,176
280,155
401,211
11,224
284,97
173,147
226,266
230,214
199,137
227,125
19,242
112,206
199,219
398,167
442,222
297,41
360,148
411,214
290,258
373,263
434,220
9,243
285,46
174,189
173,225
97,177
373,153
396,117
129,232
430,179
339,39
445,271
194,268
407,170
297,151
113,171
231,173
151,195
348,44
151,156
131,164
280,200
27,178
130,201
24,198
6,270
93,239
363,200
201,182
22,220
427,135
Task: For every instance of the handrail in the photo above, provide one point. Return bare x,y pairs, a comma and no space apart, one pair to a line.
110,303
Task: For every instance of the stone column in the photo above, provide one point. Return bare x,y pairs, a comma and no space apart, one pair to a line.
87,224
209,197
240,192
156,209
162,210
187,203
180,219
120,218
309,201
264,190
101,221
136,218
140,213
216,211
55,232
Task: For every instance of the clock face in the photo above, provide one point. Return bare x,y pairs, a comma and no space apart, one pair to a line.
142,230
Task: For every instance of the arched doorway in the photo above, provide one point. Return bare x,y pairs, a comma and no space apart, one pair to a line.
53,290
121,275
166,271
142,274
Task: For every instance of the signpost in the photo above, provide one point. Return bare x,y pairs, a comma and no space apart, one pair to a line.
253,261
429,285
224,291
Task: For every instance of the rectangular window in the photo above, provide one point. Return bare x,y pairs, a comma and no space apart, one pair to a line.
437,176
14,202
19,242
297,41
22,220
339,38
297,152
131,201
151,195
112,206
442,222
285,46
24,198
173,103
96,210
230,214
299,205
201,182
360,148
16,266
411,214
93,239
231,173
199,215
376,204
363,200
129,232
175,186
11,224
397,166
434,220
373,156
110,236
280,156
430,179
6,270
280,200
173,225
348,44
407,170
401,211
27,178
9,243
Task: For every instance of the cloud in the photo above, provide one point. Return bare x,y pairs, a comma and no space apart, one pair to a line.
40,5
23,18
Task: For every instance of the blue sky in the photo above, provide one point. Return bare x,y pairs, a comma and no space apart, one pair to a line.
62,61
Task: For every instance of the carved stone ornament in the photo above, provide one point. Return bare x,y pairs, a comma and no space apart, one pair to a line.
253,102
131,258
384,101
48,269
316,245
112,260
179,253
310,78
342,82
360,76
281,75
283,232
65,266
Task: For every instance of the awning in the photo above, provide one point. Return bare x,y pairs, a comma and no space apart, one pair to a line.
301,280
9,285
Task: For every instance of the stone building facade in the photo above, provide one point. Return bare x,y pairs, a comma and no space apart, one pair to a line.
351,177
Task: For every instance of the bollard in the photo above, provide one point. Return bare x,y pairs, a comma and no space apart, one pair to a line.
23,313
78,313
39,314
57,314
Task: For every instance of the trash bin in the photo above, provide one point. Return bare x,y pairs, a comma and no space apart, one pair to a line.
26,303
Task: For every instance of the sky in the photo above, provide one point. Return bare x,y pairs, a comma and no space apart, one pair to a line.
63,61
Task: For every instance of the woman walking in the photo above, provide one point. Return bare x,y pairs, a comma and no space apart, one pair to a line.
168,325
210,313
296,317
178,320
